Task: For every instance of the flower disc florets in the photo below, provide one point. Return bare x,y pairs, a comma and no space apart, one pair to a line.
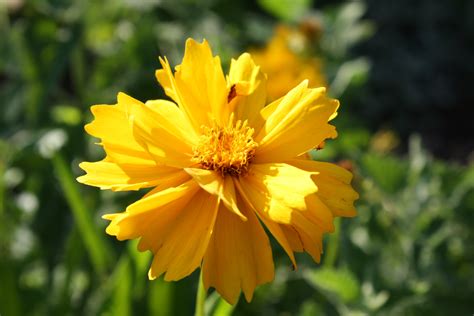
227,150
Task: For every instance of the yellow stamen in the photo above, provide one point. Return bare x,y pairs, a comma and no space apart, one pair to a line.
228,150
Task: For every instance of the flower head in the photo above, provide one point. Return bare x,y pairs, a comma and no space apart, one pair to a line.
227,150
222,165
285,63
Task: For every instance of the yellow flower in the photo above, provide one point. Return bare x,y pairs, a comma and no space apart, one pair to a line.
284,64
220,164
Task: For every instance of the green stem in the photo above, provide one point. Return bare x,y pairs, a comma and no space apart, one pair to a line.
2,187
200,298
333,245
96,247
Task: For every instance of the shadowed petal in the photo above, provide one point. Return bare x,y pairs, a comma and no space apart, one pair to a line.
129,132
140,215
333,183
161,128
239,256
222,187
298,123
249,86
284,196
181,250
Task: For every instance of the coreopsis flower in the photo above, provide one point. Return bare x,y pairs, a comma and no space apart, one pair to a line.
284,61
221,165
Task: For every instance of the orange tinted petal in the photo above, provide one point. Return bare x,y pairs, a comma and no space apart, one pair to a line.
239,256
222,187
181,251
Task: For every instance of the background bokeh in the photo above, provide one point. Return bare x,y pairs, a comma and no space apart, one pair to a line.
403,71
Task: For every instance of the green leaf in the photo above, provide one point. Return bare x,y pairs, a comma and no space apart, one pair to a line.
310,308
122,296
96,246
9,297
141,262
340,282
66,114
288,10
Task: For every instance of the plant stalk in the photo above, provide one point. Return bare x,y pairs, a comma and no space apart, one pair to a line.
200,298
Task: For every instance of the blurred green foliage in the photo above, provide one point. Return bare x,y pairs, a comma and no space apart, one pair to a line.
408,252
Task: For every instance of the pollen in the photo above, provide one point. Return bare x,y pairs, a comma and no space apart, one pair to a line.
228,150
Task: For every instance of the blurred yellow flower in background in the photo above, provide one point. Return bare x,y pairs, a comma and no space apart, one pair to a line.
384,141
221,164
286,63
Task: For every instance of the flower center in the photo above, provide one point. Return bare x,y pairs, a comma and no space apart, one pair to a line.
227,150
